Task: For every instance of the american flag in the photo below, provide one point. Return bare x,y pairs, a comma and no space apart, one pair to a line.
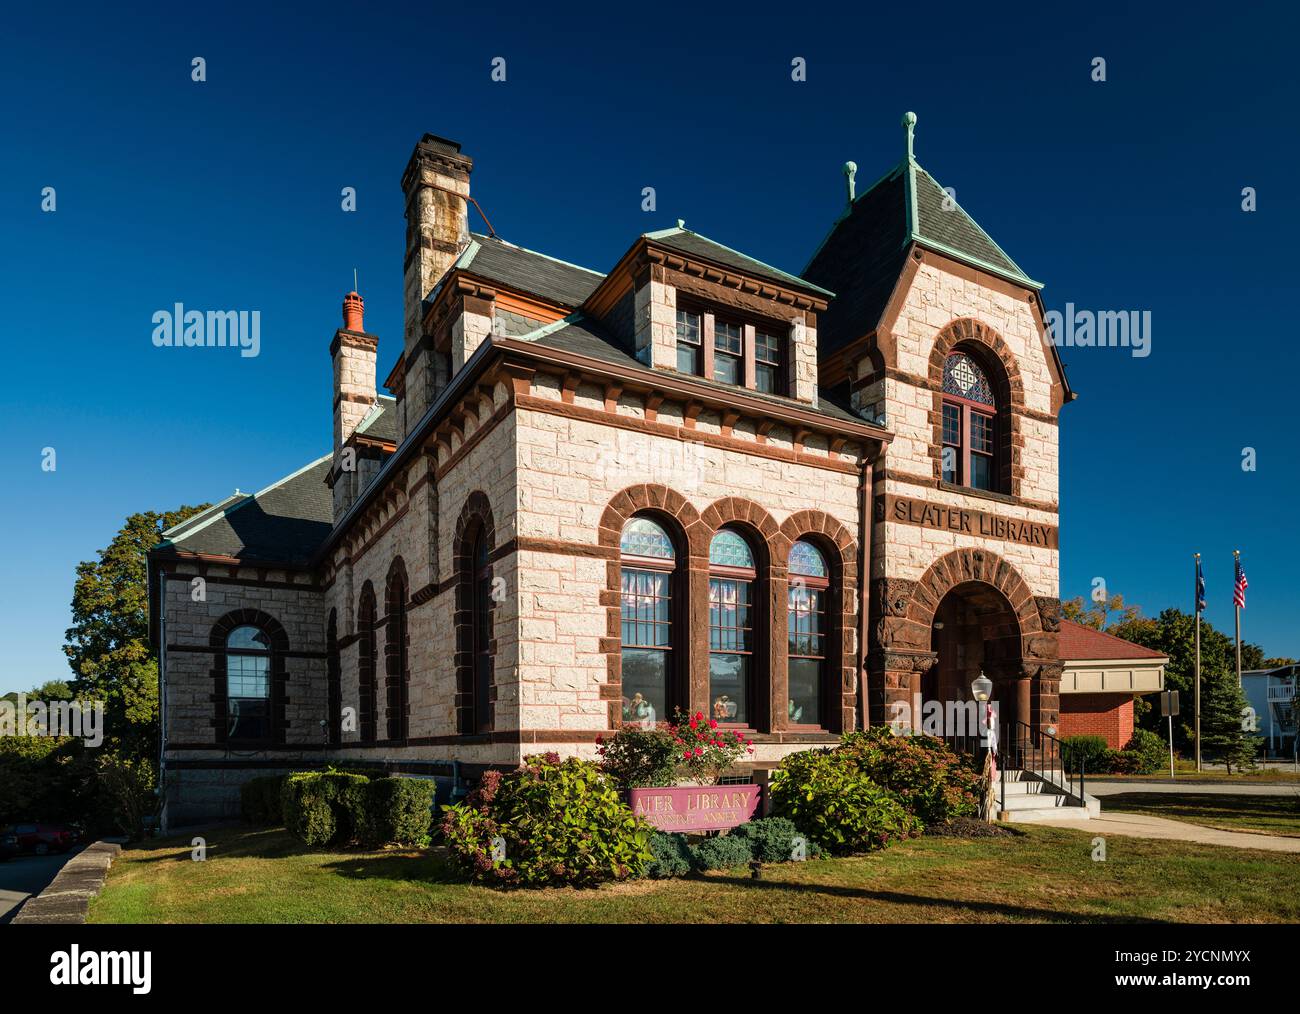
1239,586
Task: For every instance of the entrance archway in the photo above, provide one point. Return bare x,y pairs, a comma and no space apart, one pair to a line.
974,630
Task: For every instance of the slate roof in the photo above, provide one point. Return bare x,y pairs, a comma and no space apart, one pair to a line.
284,523
580,334
693,244
527,271
863,256
381,422
1078,643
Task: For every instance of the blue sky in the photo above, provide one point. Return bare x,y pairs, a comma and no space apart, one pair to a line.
1118,195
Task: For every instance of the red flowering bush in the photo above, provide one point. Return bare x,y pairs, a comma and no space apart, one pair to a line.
705,750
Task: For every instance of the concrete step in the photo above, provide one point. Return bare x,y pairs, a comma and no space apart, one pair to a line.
1045,813
1026,788
1038,801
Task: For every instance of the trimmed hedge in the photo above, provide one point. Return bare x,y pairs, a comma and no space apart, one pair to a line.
259,800
397,811
320,807
338,808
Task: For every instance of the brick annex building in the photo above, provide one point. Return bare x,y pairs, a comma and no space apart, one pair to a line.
695,481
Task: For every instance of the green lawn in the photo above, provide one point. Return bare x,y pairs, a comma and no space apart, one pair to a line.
1185,770
1044,875
1273,814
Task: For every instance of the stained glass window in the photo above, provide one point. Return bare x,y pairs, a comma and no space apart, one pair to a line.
729,549
963,378
806,559
642,537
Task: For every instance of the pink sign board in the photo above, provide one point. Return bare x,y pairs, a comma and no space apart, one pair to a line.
695,807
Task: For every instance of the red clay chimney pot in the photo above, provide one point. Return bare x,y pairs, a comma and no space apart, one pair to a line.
354,308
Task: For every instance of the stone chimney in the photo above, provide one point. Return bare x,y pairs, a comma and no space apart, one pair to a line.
353,353
436,185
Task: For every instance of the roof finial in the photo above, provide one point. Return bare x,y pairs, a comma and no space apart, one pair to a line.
909,125
850,171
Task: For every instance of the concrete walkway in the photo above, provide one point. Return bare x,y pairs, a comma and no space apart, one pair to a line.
1102,787
1139,825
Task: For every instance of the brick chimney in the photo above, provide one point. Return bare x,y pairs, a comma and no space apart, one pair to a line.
353,352
436,185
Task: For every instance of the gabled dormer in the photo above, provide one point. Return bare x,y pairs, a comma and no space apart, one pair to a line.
687,304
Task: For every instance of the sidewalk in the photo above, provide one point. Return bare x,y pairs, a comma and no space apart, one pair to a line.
1218,787
1137,825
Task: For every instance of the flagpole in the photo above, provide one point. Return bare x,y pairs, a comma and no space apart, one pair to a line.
1197,705
1236,609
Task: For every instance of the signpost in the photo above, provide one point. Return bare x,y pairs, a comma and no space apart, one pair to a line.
1169,708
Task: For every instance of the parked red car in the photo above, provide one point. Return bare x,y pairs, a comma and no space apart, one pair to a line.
44,838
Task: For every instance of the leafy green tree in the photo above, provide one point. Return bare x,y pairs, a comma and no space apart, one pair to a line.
107,644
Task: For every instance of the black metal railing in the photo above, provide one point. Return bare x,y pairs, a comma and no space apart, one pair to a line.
1039,753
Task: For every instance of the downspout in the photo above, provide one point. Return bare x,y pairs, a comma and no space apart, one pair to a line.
864,583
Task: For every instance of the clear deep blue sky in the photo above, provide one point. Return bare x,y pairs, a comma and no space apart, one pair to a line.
1119,195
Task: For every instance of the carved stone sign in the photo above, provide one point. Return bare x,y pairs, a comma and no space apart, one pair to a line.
981,524
695,808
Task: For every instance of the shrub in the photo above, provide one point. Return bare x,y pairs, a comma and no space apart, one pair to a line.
322,808
672,856
725,852
1091,751
930,780
396,811
639,758
259,800
1146,753
835,805
771,839
562,822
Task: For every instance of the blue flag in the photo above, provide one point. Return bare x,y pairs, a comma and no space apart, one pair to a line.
1200,587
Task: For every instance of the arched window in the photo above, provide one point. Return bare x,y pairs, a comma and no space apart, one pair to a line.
481,596
969,417
367,651
333,683
248,685
732,574
649,561
809,587
396,671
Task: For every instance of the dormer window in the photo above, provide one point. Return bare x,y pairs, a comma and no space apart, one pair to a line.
728,352
689,351
768,365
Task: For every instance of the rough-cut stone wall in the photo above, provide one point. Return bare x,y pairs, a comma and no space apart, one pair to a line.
191,660
572,465
941,309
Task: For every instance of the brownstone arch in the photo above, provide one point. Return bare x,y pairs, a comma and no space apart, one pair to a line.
988,348
837,544
678,517
970,611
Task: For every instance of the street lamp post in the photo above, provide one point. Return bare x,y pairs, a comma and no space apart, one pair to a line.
981,689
